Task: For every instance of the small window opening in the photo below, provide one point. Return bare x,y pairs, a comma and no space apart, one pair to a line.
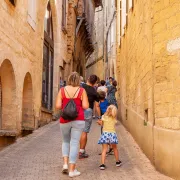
145,117
126,114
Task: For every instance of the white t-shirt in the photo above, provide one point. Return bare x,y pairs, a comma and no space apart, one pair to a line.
102,88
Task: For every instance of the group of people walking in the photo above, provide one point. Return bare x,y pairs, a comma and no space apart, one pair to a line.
77,101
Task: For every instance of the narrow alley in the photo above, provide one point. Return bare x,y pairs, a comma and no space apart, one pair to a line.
130,48
38,157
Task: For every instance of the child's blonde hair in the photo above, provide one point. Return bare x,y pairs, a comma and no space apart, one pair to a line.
111,111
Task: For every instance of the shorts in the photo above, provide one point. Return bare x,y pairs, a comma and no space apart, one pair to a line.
88,119
108,138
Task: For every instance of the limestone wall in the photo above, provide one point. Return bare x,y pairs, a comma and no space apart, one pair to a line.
95,64
21,52
148,78
166,48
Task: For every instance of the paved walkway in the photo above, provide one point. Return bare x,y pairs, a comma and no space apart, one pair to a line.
38,157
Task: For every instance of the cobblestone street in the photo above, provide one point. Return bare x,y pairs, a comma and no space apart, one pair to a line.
38,157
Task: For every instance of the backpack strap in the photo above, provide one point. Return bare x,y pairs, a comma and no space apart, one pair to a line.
80,93
68,93
76,92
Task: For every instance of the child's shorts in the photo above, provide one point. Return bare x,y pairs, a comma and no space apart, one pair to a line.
108,138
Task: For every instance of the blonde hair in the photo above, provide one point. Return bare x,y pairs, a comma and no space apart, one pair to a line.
111,111
74,79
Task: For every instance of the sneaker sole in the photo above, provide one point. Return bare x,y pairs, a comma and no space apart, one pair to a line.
102,168
74,175
118,165
83,157
65,171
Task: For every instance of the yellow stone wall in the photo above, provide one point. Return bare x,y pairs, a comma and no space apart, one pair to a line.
166,48
149,83
21,53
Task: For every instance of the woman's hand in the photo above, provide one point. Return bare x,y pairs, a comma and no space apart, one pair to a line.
100,122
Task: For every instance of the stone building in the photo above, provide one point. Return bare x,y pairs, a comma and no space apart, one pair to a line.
103,60
95,63
85,33
38,47
110,38
148,70
33,47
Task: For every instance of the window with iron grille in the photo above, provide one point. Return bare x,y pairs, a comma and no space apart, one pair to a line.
48,61
64,15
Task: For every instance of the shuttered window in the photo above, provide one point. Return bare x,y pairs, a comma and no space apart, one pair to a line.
48,61
32,13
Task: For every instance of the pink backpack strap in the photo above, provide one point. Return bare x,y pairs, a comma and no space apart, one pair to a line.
62,93
80,93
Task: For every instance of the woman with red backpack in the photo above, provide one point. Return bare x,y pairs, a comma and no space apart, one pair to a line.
72,100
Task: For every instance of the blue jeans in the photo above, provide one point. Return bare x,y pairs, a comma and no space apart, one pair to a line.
71,133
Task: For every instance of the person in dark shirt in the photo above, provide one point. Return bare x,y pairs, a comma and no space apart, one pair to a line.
93,100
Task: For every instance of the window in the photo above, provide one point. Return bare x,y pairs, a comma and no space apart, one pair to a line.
32,13
48,61
63,14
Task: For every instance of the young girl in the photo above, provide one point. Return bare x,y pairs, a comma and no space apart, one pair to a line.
109,135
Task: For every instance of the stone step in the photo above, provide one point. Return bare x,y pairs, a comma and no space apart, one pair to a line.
8,133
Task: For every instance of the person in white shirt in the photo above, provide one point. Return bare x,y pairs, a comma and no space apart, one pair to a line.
102,87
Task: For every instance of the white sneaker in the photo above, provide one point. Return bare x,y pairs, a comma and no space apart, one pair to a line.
65,169
74,173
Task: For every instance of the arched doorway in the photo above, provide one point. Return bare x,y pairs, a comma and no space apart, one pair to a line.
48,60
8,96
28,122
